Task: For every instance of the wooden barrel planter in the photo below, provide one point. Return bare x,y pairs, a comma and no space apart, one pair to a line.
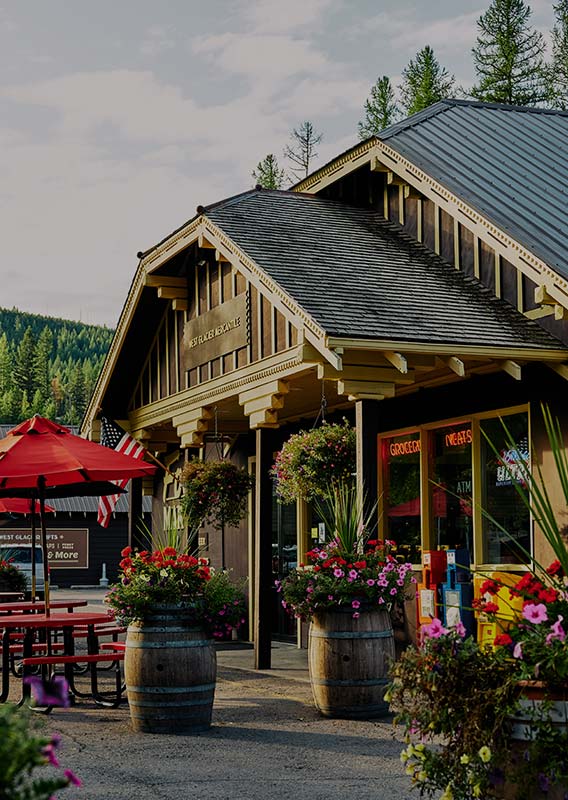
349,661
170,669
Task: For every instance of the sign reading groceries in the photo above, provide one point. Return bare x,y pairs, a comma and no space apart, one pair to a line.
67,548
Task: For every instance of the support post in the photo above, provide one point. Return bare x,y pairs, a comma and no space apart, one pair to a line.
263,549
367,429
135,538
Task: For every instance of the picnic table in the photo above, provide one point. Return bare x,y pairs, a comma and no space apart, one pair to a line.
38,606
32,625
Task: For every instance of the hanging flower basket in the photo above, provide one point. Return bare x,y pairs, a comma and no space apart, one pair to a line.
214,492
311,462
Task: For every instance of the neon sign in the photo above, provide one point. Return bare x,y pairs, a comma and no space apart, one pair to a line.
404,448
459,438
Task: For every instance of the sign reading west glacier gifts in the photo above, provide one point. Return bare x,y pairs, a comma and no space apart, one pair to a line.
67,548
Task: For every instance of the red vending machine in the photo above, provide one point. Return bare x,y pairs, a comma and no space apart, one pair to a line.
429,589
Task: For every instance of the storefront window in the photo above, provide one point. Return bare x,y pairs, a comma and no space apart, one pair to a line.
450,486
401,493
500,501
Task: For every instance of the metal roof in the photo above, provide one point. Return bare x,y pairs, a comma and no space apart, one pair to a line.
358,275
85,505
508,162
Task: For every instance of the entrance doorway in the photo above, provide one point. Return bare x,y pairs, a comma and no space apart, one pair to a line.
284,559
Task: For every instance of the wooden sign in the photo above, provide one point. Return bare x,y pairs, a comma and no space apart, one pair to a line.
217,332
67,548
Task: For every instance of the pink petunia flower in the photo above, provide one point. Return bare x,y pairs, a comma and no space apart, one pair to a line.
355,604
557,631
54,692
353,574
460,629
535,613
371,582
518,650
356,615
434,630
338,572
72,778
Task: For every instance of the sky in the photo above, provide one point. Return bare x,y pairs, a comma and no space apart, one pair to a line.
119,117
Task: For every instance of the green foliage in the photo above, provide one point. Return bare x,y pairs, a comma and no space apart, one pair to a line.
559,67
167,577
312,462
454,699
342,510
215,492
380,109
24,752
425,82
508,56
48,366
268,174
11,578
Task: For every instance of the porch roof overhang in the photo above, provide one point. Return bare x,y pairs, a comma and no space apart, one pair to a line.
293,248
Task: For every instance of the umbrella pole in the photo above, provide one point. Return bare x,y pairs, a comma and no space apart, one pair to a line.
44,547
32,515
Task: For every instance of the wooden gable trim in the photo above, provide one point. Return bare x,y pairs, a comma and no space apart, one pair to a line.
290,362
383,158
504,245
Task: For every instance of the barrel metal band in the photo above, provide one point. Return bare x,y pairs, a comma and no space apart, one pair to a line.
184,643
158,702
347,683
353,635
204,687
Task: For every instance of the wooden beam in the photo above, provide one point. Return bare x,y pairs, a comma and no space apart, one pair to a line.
559,312
204,243
410,193
179,304
397,360
220,257
171,293
560,369
394,180
363,373
366,389
376,166
543,297
455,364
156,281
511,368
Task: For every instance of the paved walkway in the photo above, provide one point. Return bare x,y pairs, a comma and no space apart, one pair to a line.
267,741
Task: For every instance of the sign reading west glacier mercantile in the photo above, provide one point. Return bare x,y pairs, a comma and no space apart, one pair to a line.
217,332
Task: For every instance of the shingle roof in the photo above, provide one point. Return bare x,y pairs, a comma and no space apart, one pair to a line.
88,505
359,276
509,163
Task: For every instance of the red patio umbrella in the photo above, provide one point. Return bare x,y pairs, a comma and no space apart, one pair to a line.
20,505
40,459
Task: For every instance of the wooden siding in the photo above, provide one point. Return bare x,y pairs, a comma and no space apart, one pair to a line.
168,369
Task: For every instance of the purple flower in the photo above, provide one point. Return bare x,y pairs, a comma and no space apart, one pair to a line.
50,693
371,582
72,778
338,572
557,631
353,574
49,752
355,604
518,650
434,630
356,615
535,613
460,629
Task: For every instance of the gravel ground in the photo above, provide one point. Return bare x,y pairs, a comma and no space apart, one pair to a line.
267,740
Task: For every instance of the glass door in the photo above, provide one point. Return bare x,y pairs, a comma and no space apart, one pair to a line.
284,559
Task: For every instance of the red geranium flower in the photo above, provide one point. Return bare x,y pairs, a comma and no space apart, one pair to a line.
548,595
489,587
126,552
502,640
555,568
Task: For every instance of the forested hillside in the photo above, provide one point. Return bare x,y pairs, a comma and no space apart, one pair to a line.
48,366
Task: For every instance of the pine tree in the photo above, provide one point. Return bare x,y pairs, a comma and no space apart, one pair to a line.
302,151
508,56
558,84
5,364
425,81
380,109
76,394
42,363
24,377
268,174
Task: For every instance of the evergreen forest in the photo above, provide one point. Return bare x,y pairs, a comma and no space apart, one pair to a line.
48,366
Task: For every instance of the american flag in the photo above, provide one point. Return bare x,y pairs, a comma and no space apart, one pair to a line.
113,436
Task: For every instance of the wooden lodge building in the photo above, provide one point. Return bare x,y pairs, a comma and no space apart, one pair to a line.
418,283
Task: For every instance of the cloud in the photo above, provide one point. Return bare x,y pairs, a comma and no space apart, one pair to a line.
276,16
158,39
